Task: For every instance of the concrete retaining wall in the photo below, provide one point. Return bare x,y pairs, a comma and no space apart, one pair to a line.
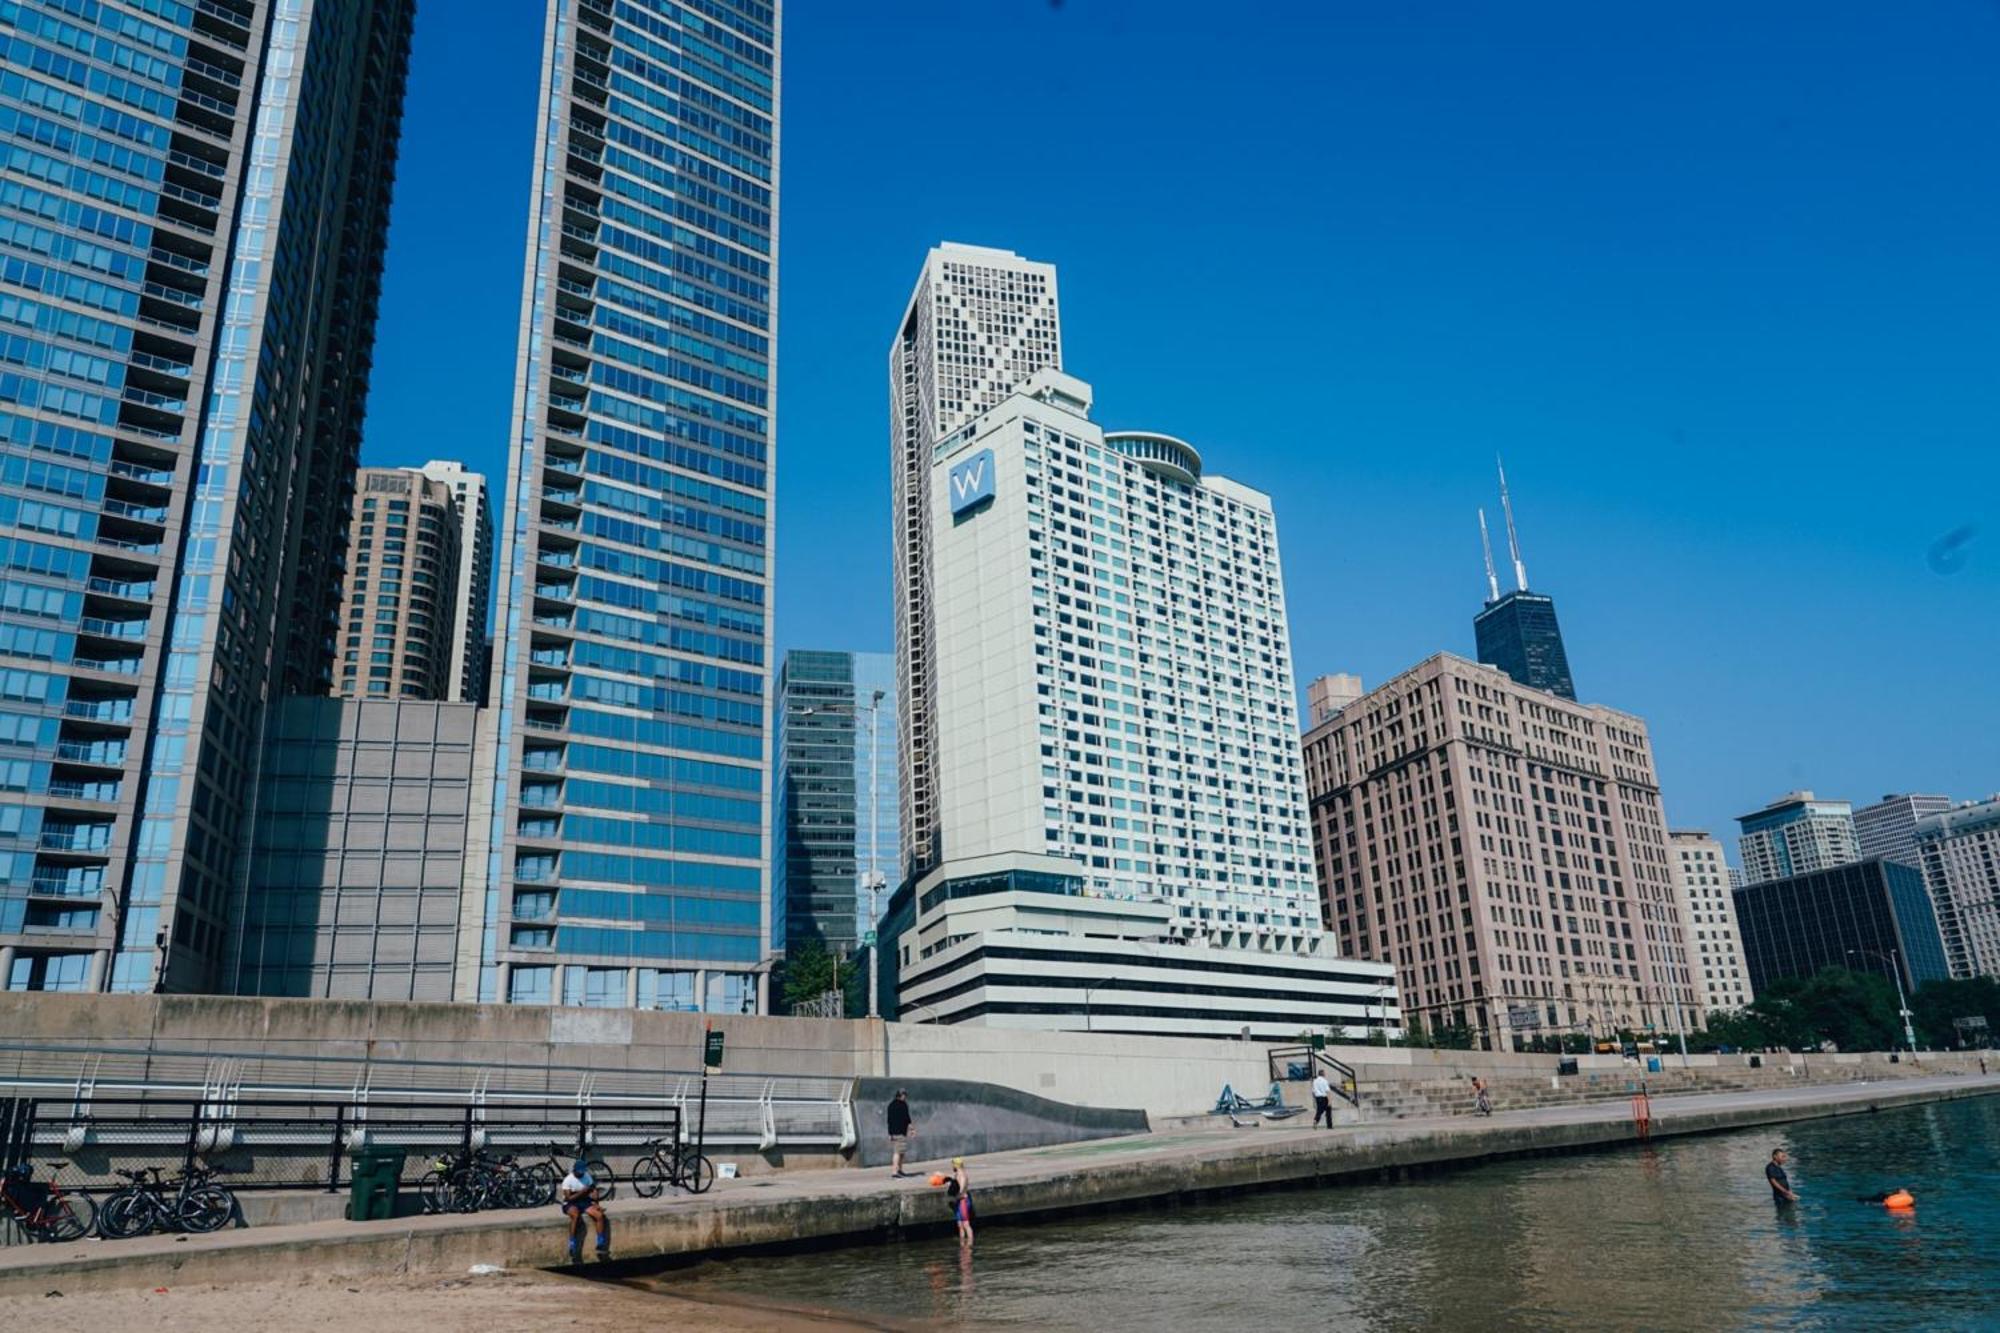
956,1118
1161,1076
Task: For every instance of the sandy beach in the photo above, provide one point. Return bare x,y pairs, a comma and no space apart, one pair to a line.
488,1304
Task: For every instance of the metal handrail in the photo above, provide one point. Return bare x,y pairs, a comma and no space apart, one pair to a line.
1346,1083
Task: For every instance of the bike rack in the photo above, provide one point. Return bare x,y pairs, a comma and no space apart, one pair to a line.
475,1097
220,1083
78,1131
679,1101
849,1133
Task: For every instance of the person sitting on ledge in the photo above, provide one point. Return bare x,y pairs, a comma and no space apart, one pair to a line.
578,1196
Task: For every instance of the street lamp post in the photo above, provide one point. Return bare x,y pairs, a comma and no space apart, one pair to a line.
874,849
1902,1004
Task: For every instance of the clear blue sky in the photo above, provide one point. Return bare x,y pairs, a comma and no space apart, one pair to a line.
1722,282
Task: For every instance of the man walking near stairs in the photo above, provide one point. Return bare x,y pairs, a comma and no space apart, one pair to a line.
1322,1100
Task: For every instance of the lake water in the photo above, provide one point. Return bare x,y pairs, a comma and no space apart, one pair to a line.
1682,1235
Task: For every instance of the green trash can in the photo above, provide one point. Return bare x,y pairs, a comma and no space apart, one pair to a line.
375,1174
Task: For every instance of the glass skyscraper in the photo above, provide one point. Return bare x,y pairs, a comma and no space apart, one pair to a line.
1518,633
835,798
626,826
194,198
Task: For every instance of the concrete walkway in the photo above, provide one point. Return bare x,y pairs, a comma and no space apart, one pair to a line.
840,1206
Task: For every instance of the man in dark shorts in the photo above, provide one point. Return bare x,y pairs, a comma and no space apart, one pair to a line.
899,1131
1781,1184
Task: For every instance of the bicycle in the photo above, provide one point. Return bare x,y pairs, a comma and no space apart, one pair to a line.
458,1183
197,1204
670,1162
549,1174
43,1210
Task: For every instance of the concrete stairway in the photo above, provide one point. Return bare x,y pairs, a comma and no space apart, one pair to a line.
1400,1099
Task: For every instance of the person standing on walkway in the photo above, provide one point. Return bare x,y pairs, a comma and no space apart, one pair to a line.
960,1194
1482,1101
1781,1184
1322,1100
900,1129
578,1196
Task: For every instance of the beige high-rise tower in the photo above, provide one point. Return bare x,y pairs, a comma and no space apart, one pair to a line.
470,647
1506,849
1708,913
979,324
400,599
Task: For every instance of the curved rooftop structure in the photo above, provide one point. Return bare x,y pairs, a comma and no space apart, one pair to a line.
1159,453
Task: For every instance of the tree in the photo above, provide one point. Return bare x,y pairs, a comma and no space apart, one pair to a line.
806,974
1937,1003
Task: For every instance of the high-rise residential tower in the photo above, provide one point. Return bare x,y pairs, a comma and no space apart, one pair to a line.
979,323
834,849
471,647
1507,849
626,851
1517,631
1959,853
192,221
1118,803
399,602
1708,915
1888,828
1794,834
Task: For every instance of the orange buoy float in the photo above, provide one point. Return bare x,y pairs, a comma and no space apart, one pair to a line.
1899,1200
937,1179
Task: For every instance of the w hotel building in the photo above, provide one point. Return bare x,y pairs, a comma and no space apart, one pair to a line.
1103,788
193,203
623,829
1504,847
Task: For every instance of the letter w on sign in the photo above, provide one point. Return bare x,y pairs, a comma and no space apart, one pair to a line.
972,481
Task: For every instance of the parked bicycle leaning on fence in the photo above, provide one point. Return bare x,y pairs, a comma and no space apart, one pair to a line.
42,1210
191,1201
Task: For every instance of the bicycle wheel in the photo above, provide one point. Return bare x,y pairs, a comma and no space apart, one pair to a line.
72,1217
601,1175
697,1173
524,1188
205,1208
433,1189
128,1213
474,1189
545,1178
649,1178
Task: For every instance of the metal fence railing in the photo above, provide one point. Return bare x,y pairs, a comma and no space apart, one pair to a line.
297,1144
746,1111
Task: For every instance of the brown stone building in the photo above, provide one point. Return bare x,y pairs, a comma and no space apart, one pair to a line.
1505,848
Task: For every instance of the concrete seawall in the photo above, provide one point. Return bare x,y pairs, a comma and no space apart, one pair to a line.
836,1207
548,1049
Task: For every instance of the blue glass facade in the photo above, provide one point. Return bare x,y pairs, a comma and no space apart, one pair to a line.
193,205
628,857
836,824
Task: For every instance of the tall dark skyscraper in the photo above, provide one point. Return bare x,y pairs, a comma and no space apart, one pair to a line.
1518,632
1519,635
194,200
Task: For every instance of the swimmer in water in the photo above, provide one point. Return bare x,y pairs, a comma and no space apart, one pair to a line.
1781,1184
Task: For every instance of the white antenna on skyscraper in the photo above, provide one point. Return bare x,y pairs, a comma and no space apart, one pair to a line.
1513,542
1486,545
